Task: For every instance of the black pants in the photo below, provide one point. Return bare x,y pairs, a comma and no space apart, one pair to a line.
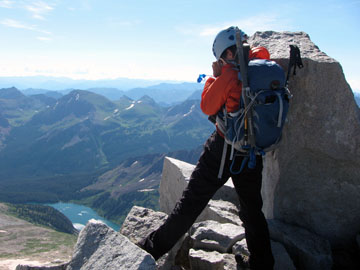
202,186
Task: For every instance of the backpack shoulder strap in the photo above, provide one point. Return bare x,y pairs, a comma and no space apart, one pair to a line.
242,62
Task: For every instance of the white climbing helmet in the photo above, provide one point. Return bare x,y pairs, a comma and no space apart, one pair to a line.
225,39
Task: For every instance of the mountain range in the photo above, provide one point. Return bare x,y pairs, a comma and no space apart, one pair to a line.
164,94
85,131
60,83
82,146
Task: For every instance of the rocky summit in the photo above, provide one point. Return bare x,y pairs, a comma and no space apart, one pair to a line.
313,178
311,187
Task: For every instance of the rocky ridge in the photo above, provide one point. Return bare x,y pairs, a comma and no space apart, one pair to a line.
310,191
214,243
210,244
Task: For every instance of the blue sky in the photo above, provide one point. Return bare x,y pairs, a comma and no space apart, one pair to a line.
153,39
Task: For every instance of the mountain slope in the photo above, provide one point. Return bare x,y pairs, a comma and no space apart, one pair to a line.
134,181
85,132
18,108
42,215
84,147
58,139
21,240
166,93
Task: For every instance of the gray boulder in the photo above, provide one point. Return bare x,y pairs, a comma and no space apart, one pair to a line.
212,235
175,178
307,250
100,247
139,223
281,257
313,178
211,260
230,262
221,211
205,260
55,267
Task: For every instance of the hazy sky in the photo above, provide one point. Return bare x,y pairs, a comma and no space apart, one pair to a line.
155,39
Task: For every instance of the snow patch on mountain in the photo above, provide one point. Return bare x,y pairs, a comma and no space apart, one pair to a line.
74,140
135,162
131,106
191,110
146,190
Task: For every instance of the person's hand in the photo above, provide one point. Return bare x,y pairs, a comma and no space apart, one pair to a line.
217,66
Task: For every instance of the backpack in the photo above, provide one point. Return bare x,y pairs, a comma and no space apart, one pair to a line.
269,106
256,127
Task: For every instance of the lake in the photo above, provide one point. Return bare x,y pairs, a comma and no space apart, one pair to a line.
79,215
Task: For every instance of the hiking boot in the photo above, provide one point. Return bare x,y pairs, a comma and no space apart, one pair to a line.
147,245
242,261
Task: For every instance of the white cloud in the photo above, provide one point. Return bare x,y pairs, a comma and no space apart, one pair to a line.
250,25
258,22
89,66
6,3
16,24
118,23
46,39
39,9
211,31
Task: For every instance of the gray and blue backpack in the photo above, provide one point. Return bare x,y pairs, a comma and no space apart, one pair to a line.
257,125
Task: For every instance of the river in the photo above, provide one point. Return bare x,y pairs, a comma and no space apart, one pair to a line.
79,215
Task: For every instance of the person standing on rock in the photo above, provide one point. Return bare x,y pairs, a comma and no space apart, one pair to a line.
223,89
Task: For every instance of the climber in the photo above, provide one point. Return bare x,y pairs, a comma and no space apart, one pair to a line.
223,88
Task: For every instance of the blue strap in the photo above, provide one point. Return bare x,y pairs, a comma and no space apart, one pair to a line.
245,160
243,163
252,161
239,76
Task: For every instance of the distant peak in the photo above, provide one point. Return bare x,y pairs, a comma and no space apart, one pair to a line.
11,93
146,99
125,97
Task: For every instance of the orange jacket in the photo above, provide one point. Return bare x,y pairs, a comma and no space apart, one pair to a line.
226,89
